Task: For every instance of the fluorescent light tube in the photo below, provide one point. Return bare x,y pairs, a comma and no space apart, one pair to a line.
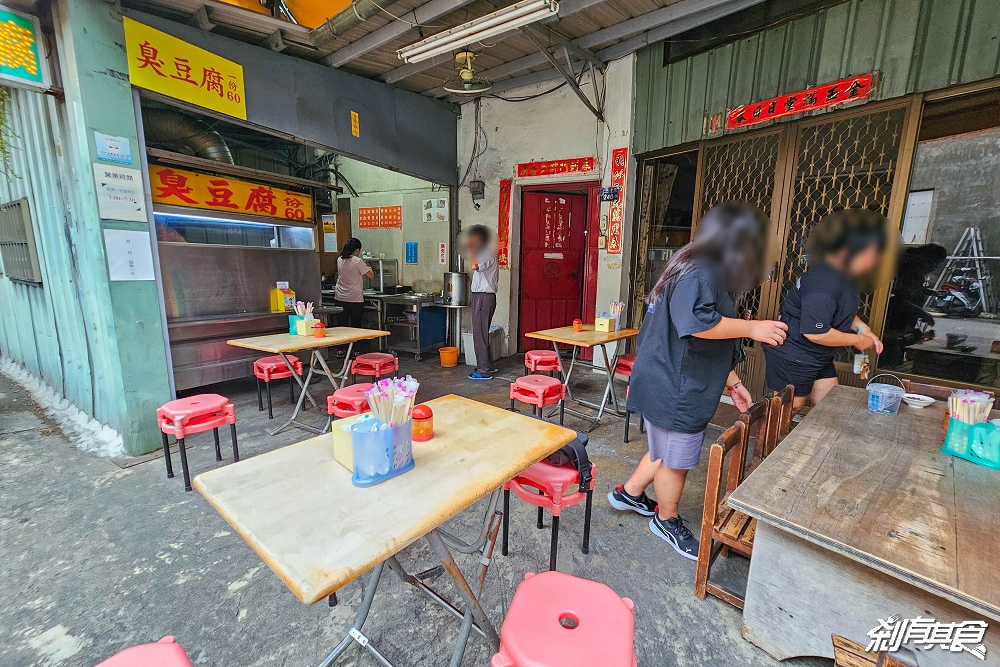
501,21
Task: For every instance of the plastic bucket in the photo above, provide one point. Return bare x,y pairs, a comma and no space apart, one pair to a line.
884,399
449,357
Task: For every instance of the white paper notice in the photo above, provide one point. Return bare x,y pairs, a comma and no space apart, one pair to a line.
119,193
130,256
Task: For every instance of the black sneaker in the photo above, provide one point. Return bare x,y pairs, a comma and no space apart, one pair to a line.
676,534
492,371
641,504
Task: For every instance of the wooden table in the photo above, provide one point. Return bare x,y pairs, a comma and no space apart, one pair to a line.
588,338
296,506
861,516
284,344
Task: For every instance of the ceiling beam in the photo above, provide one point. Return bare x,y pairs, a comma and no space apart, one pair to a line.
568,75
425,13
200,19
566,8
664,22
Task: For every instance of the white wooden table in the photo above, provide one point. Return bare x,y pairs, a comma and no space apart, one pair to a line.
284,344
296,507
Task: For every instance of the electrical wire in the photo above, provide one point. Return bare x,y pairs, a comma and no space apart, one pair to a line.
477,152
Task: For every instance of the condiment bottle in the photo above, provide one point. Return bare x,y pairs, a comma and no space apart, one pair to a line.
578,324
423,423
319,330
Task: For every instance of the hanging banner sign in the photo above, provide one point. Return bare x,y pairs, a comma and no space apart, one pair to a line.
552,167
503,224
217,193
846,90
21,61
380,217
616,210
172,67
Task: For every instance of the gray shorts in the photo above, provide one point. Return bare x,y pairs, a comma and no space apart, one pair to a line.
680,451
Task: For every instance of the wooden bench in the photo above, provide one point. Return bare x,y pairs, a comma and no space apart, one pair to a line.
852,654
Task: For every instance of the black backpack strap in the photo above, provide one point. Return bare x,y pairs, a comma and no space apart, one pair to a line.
577,451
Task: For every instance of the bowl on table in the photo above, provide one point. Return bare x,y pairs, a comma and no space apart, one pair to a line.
917,400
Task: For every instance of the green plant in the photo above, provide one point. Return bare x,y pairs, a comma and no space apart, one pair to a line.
6,134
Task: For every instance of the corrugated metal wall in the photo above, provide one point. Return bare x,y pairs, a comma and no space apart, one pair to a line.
44,327
917,45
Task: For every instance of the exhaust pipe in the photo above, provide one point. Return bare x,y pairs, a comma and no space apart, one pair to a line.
173,127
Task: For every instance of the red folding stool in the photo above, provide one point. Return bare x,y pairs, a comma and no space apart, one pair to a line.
347,402
374,364
275,368
543,486
539,391
541,361
624,367
194,414
557,620
164,653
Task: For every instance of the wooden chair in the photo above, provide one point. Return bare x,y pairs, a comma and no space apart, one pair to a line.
721,526
762,425
940,392
852,654
782,403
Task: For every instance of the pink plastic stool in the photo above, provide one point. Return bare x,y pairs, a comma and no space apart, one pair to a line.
347,402
274,368
541,361
543,485
539,391
164,653
374,364
556,620
194,414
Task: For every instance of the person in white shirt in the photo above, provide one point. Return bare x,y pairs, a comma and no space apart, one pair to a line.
486,272
351,272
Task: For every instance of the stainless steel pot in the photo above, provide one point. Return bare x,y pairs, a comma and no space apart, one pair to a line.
456,289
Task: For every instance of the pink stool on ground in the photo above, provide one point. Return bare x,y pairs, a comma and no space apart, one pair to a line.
374,364
539,391
274,368
556,620
541,361
194,414
164,653
347,402
543,485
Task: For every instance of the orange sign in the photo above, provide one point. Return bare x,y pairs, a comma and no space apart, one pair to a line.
551,167
178,187
375,217
503,224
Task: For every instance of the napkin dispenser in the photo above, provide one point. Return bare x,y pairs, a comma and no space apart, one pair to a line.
605,324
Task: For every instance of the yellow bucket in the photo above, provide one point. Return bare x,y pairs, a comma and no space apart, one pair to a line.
449,357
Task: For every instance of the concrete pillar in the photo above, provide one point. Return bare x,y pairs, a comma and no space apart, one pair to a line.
126,338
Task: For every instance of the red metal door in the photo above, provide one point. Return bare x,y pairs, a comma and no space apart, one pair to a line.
552,250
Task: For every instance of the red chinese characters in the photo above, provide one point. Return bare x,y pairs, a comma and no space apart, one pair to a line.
503,223
616,209
846,90
211,81
174,185
552,167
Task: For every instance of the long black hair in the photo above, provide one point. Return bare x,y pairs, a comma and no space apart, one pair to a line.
734,236
352,246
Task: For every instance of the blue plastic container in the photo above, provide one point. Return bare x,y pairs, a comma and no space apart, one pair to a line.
979,443
379,452
884,399
292,321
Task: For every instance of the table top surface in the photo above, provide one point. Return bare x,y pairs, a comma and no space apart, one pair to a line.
297,508
878,489
586,338
939,345
283,342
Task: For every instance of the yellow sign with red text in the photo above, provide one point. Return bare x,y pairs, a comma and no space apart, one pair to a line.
164,64
178,187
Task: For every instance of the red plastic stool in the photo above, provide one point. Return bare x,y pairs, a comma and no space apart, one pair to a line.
374,364
347,402
195,414
274,368
556,620
164,653
541,361
539,391
543,485
624,367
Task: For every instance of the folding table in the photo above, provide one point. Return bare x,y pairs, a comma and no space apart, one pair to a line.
588,338
296,507
284,344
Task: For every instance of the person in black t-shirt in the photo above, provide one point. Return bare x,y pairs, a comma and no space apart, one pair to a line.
821,310
688,345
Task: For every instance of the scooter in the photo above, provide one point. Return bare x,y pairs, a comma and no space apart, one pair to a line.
962,297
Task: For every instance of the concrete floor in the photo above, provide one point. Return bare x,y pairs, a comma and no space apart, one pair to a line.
97,557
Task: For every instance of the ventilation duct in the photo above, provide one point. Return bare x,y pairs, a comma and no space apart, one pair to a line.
173,127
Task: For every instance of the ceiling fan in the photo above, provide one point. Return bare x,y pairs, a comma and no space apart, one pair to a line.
467,83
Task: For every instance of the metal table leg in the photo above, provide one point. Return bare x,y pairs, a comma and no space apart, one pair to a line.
354,634
303,394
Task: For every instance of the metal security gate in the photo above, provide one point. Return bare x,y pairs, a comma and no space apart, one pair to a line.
799,172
